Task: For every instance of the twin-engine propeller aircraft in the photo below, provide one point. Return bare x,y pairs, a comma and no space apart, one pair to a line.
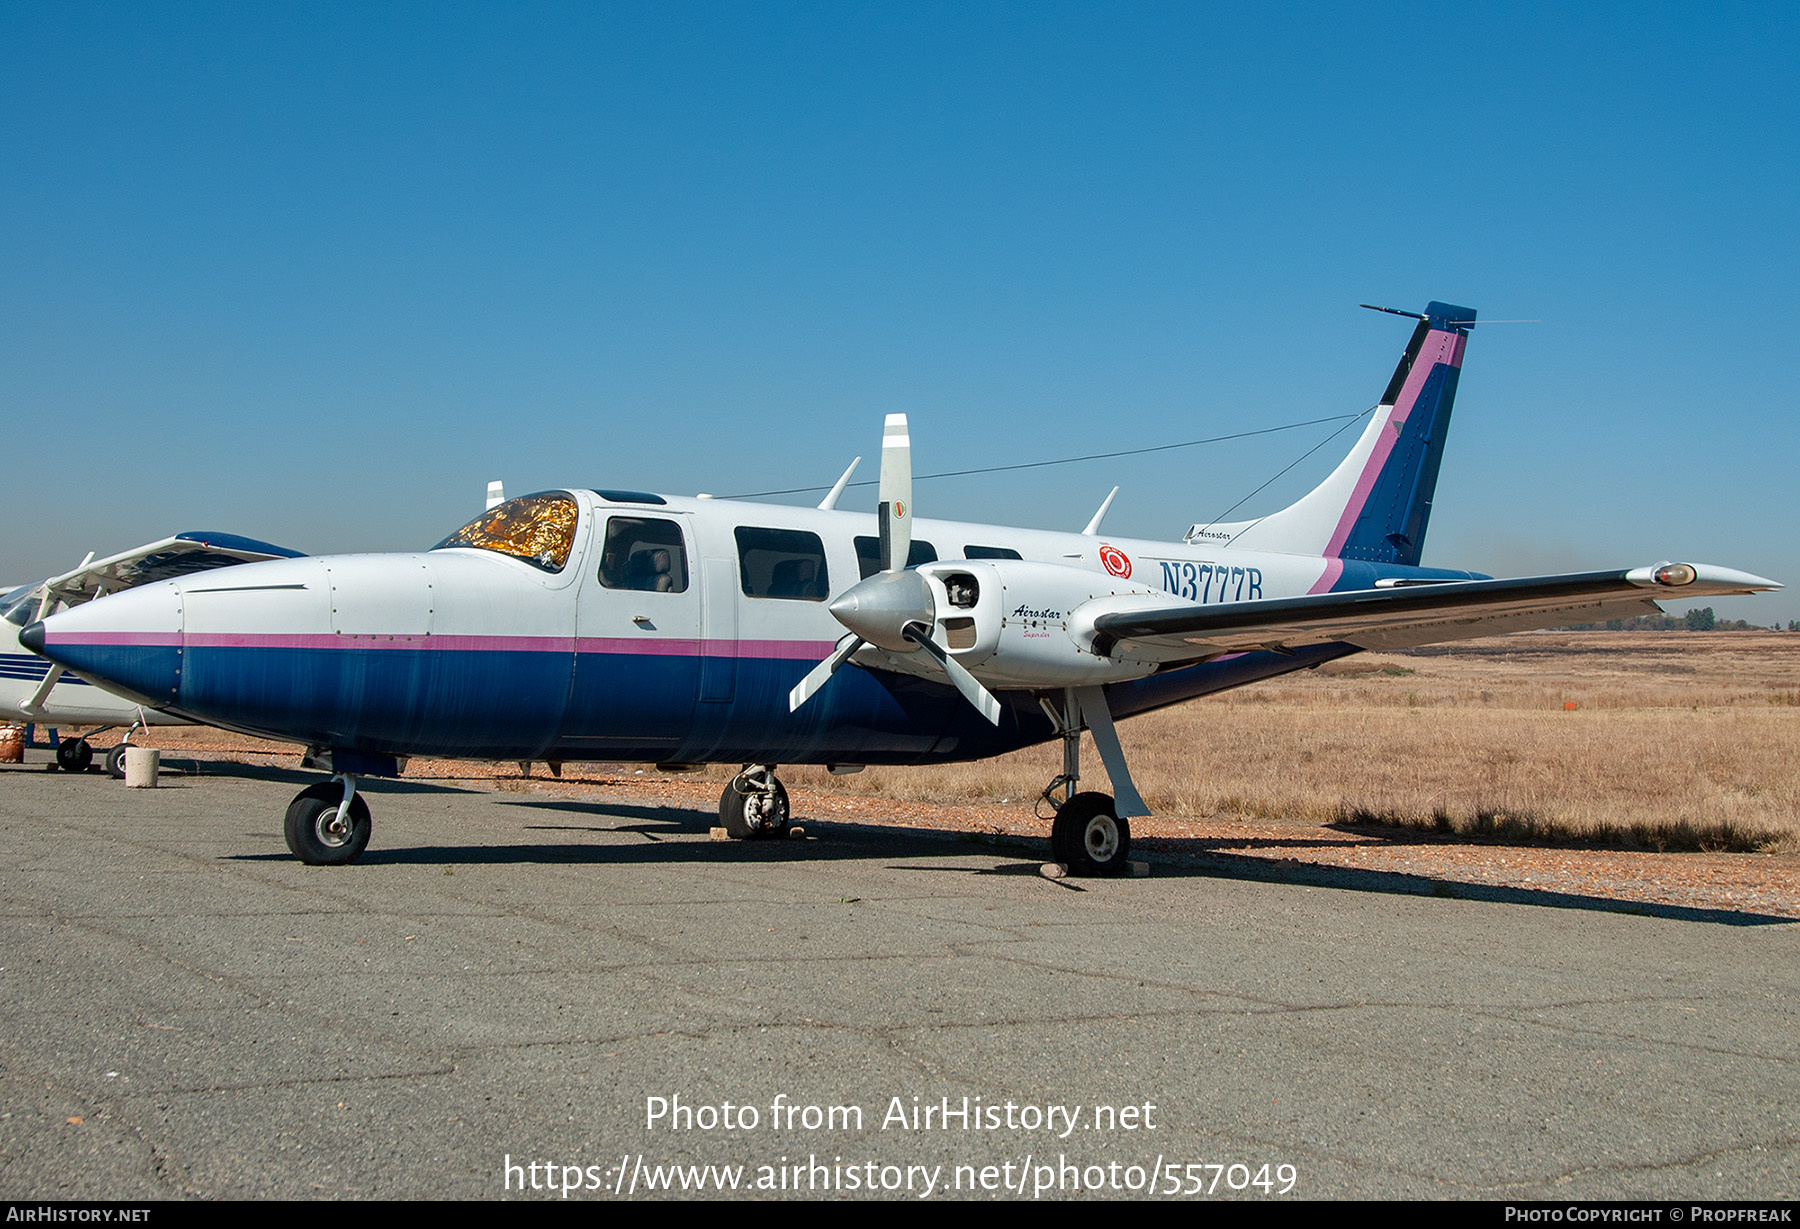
620,625
34,690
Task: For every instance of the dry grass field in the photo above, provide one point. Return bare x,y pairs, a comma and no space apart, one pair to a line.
1677,740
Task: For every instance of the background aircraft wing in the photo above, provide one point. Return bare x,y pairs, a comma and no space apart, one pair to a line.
1409,613
180,555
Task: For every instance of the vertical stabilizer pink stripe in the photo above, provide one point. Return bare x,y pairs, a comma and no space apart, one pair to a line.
1440,347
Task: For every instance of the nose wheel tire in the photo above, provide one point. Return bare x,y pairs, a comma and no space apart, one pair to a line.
750,811
1088,838
314,834
115,761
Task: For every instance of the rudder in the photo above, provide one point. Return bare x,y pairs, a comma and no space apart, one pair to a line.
1376,504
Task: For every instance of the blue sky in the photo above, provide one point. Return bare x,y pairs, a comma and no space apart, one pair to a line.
316,273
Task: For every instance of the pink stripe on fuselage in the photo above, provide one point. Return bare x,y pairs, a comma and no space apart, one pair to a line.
333,641
1334,568
664,646
1441,346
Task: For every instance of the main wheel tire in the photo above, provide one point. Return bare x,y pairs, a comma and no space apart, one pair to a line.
1089,838
115,761
74,755
311,827
751,815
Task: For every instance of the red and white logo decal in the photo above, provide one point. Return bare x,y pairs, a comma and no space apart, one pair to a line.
1116,561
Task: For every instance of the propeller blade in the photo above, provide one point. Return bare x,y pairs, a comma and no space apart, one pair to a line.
896,494
817,676
972,691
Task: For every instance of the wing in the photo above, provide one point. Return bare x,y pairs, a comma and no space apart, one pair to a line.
1407,614
180,555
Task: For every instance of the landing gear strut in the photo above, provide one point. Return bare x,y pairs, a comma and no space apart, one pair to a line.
328,823
1090,834
754,805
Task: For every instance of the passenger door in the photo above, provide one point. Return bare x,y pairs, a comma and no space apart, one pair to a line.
637,638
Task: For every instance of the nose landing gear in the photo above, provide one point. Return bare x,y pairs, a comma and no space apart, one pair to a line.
328,824
115,758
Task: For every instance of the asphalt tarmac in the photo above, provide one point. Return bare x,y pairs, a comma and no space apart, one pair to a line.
514,991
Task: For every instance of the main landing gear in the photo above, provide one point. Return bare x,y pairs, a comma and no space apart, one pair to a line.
328,824
1090,835
74,755
754,805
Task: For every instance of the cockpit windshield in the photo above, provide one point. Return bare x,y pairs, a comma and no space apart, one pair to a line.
538,529
20,606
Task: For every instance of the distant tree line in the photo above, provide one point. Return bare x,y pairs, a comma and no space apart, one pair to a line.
1701,620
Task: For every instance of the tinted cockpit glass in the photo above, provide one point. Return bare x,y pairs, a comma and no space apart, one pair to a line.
538,529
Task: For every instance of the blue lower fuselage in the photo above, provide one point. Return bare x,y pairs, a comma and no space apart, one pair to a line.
539,705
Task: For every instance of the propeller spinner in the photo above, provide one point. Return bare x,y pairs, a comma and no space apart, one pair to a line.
894,609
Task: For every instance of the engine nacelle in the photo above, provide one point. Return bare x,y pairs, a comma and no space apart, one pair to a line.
1014,623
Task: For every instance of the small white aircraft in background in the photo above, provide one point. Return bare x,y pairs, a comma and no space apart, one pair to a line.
600,624
34,691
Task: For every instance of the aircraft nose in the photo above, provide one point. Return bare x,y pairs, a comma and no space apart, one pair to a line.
130,642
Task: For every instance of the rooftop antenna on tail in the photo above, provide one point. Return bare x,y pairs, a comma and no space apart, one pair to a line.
1467,324
1393,311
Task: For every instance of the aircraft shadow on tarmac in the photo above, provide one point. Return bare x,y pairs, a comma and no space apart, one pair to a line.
175,771
667,835
1399,883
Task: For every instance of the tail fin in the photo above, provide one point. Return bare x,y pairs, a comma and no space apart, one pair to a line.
1376,503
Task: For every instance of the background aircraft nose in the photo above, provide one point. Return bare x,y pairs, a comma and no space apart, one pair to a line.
32,637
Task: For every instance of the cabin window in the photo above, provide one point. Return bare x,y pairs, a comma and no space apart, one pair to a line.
990,552
783,563
868,555
537,529
645,555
